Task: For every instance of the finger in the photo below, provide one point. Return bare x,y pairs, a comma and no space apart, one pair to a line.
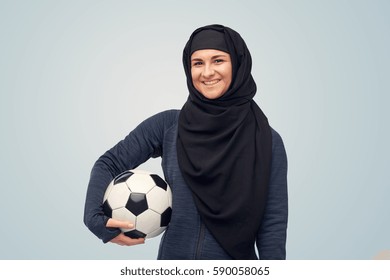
118,224
123,240
130,241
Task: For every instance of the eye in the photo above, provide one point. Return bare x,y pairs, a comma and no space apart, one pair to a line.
197,63
218,61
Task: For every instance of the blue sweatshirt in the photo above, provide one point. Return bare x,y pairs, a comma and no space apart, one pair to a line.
186,236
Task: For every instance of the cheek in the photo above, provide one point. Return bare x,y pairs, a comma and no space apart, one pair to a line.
194,77
228,77
230,73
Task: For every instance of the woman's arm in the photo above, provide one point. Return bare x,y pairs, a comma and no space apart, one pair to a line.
271,240
144,142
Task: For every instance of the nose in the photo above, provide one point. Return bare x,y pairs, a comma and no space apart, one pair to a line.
208,71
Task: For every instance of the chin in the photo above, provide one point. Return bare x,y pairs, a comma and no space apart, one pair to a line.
212,95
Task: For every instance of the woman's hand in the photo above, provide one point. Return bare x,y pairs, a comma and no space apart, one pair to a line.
122,239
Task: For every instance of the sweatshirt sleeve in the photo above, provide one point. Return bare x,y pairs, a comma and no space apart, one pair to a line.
271,240
144,142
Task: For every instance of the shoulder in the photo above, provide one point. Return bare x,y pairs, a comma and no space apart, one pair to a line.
170,115
163,120
157,126
276,138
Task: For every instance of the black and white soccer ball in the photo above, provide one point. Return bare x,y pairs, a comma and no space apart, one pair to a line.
141,198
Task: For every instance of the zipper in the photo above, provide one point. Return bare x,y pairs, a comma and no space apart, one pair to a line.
199,246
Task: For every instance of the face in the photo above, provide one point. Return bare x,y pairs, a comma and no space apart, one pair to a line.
211,72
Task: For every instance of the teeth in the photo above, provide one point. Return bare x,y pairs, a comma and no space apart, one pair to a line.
209,83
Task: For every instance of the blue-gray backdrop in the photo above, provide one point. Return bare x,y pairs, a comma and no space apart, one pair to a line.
77,76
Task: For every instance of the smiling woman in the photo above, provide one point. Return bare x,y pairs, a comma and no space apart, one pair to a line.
226,166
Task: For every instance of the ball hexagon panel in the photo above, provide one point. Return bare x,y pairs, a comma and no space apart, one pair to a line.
140,183
169,195
157,199
137,203
148,221
123,214
156,232
118,196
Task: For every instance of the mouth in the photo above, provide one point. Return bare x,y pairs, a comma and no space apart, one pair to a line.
211,83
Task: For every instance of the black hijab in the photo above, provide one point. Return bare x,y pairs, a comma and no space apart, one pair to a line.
224,147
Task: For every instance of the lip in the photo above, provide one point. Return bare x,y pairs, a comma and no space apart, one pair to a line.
211,82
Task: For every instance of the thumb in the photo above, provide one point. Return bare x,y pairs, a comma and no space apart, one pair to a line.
119,224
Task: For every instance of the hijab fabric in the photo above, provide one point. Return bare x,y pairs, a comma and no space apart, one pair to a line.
224,147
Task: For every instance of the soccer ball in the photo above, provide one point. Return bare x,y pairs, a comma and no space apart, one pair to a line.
142,198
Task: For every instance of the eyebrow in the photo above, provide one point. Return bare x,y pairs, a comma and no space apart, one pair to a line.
213,57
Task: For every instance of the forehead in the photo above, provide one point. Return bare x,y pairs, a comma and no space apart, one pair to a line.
208,53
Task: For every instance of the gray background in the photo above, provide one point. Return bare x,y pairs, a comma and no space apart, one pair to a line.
77,76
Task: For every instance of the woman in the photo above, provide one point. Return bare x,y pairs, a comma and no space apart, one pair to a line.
226,166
